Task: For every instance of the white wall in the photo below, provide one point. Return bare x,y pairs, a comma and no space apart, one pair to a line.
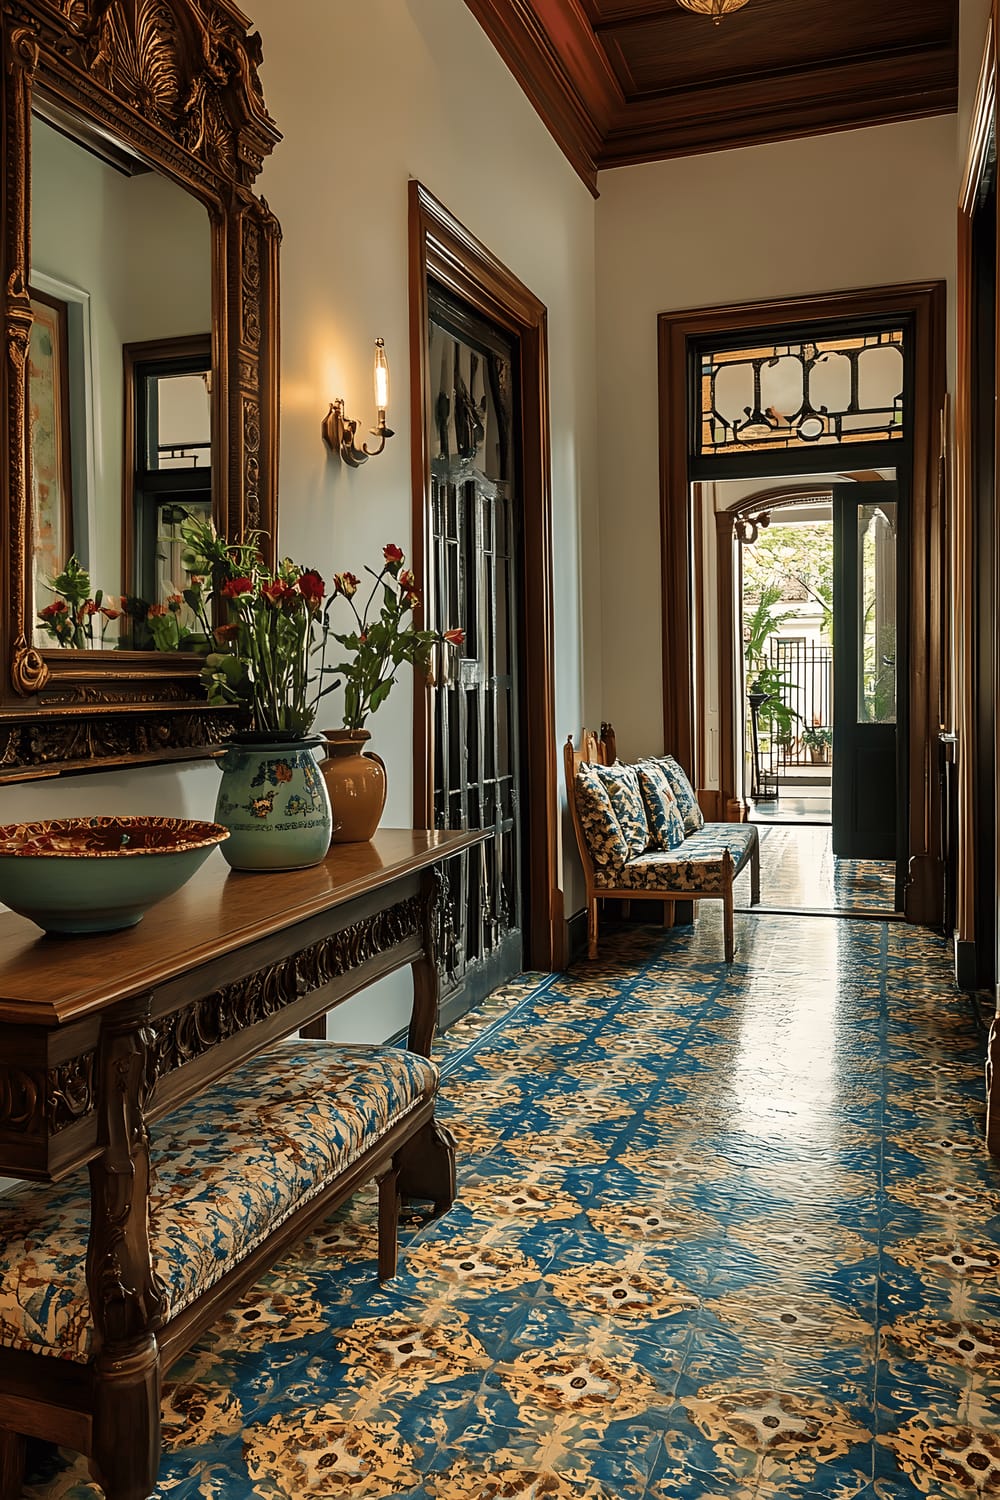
857,209
450,114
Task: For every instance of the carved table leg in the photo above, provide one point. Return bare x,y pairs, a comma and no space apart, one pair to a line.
127,1299
426,981
11,1465
427,1166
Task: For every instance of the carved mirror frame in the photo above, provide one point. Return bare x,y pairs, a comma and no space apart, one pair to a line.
177,85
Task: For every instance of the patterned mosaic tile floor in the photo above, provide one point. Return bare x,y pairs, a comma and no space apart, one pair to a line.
799,871
721,1235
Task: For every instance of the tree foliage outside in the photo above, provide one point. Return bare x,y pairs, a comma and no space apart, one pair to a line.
785,555
784,562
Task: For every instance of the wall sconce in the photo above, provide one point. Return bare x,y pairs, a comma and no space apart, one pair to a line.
338,430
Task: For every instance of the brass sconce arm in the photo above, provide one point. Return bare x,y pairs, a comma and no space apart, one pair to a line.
339,431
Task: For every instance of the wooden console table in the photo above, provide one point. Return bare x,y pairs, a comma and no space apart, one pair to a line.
101,1036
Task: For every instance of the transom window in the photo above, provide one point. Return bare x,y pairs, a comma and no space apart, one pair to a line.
801,393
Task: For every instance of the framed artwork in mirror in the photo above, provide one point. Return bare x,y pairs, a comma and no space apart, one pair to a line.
48,419
78,108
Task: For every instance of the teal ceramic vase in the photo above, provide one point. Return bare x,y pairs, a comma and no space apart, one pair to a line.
275,804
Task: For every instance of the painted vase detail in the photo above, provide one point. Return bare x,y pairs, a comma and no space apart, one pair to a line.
355,779
274,802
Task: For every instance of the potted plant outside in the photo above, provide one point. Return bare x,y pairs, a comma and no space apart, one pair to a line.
818,740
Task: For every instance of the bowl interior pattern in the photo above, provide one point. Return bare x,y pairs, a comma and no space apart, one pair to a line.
107,838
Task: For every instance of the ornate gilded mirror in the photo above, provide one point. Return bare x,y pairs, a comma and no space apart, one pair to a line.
140,384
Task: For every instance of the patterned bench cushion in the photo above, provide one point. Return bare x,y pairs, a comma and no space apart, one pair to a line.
229,1167
622,783
605,841
666,822
687,801
694,868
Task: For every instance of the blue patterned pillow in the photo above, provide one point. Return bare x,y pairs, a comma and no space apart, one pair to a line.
605,841
666,824
692,814
622,783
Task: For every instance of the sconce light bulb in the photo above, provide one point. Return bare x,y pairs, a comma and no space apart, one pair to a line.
381,380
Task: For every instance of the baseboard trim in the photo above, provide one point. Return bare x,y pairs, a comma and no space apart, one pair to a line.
576,935
966,965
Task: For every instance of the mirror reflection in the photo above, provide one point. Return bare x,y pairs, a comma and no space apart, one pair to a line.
119,387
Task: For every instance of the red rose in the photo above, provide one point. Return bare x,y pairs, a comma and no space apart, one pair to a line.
156,611
346,584
411,600
87,608
275,592
225,633
311,586
234,587
454,637
175,601
407,582
57,607
393,556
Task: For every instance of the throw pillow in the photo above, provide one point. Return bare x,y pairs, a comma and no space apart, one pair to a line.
623,788
666,823
607,846
692,814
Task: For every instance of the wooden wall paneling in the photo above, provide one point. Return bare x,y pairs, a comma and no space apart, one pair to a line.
443,249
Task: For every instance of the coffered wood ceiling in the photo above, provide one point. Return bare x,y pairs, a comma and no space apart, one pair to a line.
623,81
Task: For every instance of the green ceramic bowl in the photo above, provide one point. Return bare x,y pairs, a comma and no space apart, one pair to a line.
78,875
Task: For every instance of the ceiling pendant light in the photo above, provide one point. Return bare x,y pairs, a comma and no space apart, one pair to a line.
714,8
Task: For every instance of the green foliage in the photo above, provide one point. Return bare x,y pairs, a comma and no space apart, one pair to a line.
382,642
796,552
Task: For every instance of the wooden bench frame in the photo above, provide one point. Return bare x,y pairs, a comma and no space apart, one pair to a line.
602,750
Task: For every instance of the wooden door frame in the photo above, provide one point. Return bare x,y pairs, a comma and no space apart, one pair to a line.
441,248
961,700
925,304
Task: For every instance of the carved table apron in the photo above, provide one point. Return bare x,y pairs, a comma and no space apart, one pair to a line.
102,1035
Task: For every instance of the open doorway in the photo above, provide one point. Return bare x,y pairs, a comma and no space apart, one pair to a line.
785,573
812,570
852,381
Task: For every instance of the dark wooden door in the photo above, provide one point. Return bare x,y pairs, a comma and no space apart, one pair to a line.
983,970
866,638
476,539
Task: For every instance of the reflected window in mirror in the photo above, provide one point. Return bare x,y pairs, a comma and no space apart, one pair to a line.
168,389
127,251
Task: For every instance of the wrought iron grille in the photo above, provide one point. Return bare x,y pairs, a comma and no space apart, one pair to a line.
475,530
806,670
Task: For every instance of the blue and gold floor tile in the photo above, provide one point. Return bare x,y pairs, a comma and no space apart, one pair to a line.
723,1233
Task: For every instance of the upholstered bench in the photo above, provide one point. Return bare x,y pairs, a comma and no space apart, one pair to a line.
641,835
229,1169
236,1176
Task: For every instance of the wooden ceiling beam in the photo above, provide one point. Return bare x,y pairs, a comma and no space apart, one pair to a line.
569,62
